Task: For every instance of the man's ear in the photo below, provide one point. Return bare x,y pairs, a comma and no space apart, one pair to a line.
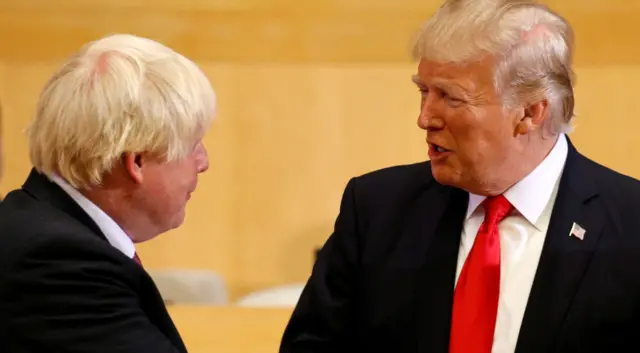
132,163
532,118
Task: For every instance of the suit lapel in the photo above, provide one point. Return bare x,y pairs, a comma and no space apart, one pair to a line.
564,259
438,224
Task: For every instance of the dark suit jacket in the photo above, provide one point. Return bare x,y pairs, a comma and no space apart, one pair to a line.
64,288
384,280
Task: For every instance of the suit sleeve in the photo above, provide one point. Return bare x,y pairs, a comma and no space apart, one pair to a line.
63,296
324,318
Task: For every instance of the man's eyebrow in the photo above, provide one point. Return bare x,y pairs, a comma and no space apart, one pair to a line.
451,87
442,84
416,80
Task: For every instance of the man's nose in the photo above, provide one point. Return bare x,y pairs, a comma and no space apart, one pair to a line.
202,159
429,117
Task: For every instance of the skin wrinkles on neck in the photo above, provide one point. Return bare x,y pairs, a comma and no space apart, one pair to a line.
527,164
116,204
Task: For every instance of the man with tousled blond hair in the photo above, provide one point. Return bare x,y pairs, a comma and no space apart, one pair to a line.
507,239
116,146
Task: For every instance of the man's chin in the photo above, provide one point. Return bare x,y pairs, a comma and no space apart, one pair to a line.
443,175
173,222
179,218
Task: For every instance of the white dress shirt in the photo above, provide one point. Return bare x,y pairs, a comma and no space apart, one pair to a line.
522,235
111,230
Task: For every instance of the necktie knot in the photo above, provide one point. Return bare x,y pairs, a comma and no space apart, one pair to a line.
496,209
136,258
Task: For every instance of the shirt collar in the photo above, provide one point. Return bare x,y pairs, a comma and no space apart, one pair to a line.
111,230
531,194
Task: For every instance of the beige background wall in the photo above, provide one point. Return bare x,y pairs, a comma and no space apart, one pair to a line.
311,93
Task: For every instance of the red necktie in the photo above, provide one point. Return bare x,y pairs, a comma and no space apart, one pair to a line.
137,259
475,301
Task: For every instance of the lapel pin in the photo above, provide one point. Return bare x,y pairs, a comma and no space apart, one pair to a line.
577,231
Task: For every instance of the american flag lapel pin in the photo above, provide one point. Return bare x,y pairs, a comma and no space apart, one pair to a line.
577,231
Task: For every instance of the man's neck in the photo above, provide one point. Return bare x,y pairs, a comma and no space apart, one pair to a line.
531,155
116,205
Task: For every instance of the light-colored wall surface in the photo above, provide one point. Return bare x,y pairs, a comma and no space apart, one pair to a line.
310,94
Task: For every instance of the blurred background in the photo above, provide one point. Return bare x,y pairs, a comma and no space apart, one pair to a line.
310,94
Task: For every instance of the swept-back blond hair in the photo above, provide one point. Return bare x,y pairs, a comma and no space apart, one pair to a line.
532,47
118,94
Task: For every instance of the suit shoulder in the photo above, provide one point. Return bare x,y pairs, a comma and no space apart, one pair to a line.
30,227
391,188
609,179
399,176
620,191
21,214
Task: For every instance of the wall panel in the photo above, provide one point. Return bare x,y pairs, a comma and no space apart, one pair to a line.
305,103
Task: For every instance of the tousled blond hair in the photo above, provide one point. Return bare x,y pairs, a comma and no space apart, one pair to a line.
532,47
118,94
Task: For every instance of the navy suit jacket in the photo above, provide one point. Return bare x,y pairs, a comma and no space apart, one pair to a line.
384,280
64,288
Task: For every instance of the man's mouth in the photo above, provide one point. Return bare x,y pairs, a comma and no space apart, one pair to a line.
438,148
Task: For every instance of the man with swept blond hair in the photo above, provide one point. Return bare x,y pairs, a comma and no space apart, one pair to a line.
116,146
508,239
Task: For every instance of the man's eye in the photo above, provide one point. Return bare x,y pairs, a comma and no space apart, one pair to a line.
453,101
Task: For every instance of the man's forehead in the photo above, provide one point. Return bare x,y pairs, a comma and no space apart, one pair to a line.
442,82
469,76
